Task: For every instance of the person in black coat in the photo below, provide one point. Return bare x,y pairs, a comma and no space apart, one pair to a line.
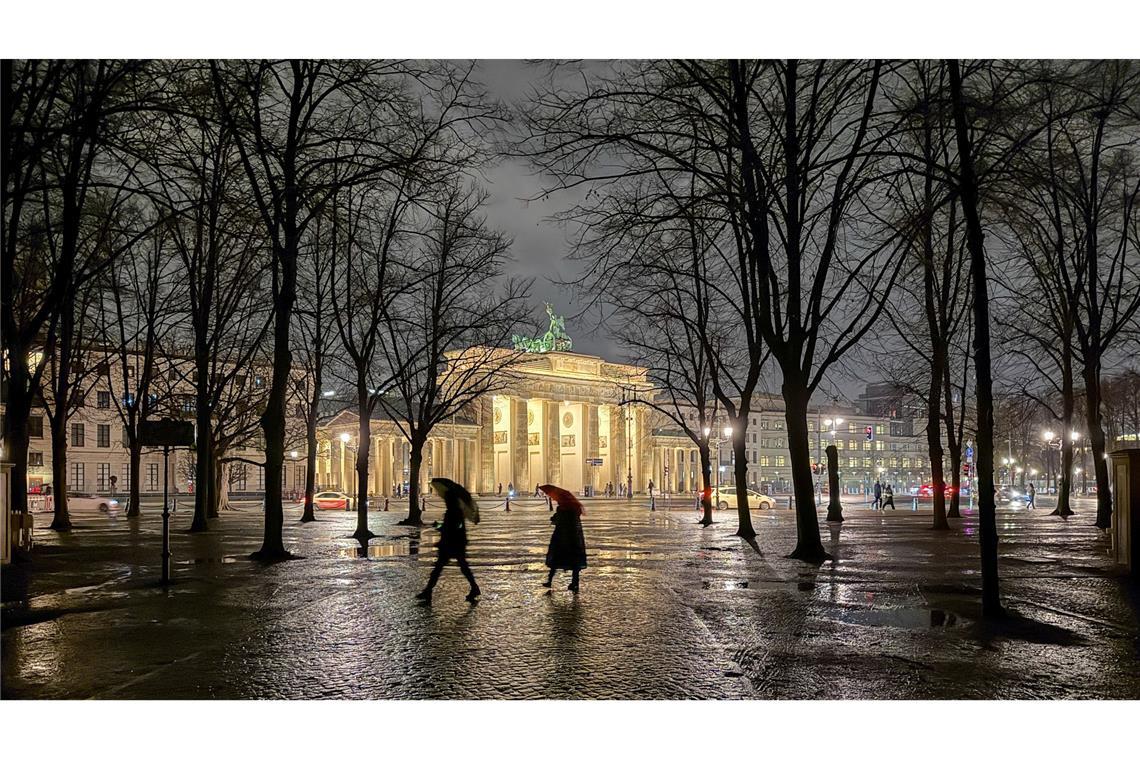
567,549
452,545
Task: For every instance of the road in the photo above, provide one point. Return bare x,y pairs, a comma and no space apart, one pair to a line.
667,610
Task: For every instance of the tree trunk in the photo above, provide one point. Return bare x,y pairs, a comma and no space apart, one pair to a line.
706,480
309,514
363,447
133,506
310,469
273,418
1096,438
1068,405
954,438
203,480
217,480
17,411
809,548
415,460
61,521
744,530
934,444
975,244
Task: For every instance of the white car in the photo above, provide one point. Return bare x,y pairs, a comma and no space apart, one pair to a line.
725,497
86,502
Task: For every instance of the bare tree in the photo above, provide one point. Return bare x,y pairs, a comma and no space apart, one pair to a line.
786,153
366,242
65,123
445,328
305,129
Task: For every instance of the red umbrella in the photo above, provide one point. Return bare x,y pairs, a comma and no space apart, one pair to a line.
563,498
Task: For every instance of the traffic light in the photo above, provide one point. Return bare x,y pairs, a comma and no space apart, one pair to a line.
870,433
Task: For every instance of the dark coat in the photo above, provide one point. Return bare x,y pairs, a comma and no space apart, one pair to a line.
567,544
453,530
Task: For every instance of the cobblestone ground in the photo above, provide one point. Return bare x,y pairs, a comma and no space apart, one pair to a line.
667,610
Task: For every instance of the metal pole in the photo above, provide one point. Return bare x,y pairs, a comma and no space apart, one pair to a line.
165,516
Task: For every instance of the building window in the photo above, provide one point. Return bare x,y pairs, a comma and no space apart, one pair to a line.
103,436
852,462
77,434
780,461
237,477
125,478
76,477
152,476
35,459
103,399
261,478
765,461
880,429
103,476
35,426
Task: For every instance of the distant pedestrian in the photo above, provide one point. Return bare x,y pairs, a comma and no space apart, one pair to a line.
1030,497
878,501
500,489
651,489
889,493
458,506
567,550
511,490
537,492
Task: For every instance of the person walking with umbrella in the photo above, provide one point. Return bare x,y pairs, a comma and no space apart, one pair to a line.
459,506
567,550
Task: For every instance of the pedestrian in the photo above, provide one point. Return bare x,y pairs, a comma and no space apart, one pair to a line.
1031,497
458,506
890,497
878,501
536,491
500,493
567,550
650,489
511,490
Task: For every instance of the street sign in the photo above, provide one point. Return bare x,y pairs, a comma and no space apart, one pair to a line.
594,462
870,433
969,453
166,433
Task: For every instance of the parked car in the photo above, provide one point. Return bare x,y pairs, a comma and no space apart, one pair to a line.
926,490
332,500
725,497
86,502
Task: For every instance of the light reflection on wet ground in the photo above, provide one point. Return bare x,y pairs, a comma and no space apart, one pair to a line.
667,609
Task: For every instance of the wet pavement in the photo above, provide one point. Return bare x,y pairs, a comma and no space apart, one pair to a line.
667,610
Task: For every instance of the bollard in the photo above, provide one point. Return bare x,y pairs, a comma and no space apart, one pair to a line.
789,502
508,504
549,504
652,504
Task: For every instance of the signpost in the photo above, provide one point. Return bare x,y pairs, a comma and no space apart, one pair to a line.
166,434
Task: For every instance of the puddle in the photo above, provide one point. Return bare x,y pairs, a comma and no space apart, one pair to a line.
897,617
228,560
724,584
399,548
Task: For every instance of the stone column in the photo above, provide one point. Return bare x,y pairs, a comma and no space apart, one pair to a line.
590,430
550,440
618,453
485,414
520,454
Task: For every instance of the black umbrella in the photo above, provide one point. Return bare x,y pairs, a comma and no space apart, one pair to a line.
445,486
